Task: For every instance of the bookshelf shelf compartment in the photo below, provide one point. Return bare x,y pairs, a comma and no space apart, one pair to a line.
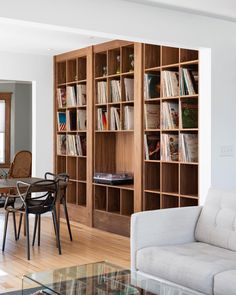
151,201
71,193
72,71
113,200
71,167
127,202
170,201
186,202
81,193
188,55
61,73
100,198
100,64
152,54
114,62
170,177
152,176
128,59
61,164
81,169
170,55
189,179
82,69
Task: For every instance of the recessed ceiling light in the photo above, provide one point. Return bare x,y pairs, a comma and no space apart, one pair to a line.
49,49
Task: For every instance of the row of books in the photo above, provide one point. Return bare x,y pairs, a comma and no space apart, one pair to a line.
171,86
71,145
115,118
171,147
115,89
188,82
170,115
71,96
71,120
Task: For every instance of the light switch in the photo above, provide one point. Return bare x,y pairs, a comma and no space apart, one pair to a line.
226,151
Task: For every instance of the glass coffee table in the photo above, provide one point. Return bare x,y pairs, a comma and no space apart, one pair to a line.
98,278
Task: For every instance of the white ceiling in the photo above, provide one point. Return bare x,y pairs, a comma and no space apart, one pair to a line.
40,39
225,9
33,38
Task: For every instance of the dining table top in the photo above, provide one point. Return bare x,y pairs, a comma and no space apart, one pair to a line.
10,183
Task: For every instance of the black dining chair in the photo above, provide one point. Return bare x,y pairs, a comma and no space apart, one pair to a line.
63,179
10,203
36,198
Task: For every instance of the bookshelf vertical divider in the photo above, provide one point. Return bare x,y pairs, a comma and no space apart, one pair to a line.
125,80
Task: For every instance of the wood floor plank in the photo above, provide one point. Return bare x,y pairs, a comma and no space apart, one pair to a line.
89,245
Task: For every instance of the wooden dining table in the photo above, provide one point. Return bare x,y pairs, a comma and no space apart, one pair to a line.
11,183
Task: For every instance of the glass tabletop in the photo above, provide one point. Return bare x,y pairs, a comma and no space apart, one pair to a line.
100,278
94,278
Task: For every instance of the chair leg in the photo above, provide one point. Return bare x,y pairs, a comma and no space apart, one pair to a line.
35,228
67,219
5,230
14,224
27,235
19,227
56,229
39,228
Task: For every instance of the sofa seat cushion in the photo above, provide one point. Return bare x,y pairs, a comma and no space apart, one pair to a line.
225,283
192,265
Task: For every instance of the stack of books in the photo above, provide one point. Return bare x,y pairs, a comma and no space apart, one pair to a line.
102,119
129,89
152,116
61,121
188,147
61,97
61,144
81,119
151,85
115,91
102,92
152,146
71,96
115,118
169,147
71,145
188,81
81,144
128,118
170,83
170,115
81,94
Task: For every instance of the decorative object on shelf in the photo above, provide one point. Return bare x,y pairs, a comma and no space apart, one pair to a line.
118,64
131,62
113,178
104,71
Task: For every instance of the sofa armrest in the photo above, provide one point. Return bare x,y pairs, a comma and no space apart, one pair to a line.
162,227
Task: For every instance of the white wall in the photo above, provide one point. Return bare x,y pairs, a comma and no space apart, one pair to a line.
124,20
38,69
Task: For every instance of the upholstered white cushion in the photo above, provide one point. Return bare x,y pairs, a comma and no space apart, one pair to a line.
217,221
192,265
225,283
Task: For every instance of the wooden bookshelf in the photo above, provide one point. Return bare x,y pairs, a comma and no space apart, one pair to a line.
114,144
169,183
72,70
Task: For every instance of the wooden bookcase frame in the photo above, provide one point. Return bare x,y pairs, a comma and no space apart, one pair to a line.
157,183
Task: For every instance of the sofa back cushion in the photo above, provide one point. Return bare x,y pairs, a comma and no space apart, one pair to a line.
217,221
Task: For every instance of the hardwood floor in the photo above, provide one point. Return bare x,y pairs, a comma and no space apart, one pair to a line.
89,245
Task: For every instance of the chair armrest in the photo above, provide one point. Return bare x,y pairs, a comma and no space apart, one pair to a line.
162,227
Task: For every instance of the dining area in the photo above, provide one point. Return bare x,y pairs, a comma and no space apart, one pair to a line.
22,195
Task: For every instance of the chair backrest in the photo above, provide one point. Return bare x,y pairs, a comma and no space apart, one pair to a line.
62,179
21,165
217,221
46,195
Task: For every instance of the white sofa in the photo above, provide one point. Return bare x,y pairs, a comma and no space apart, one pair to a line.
194,247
